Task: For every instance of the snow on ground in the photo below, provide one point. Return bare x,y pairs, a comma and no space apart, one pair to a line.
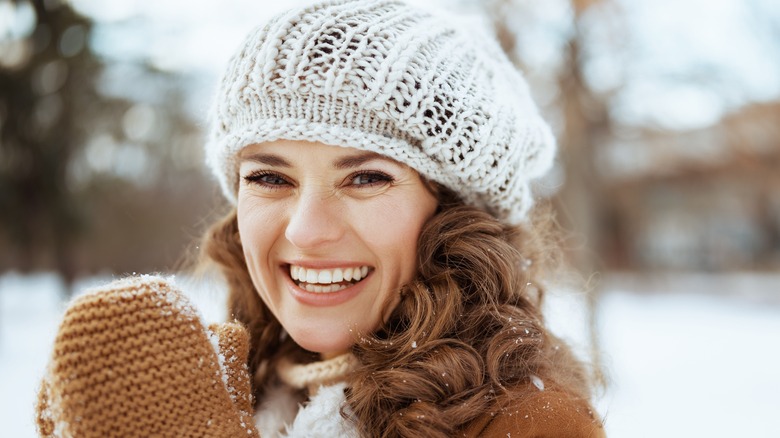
685,357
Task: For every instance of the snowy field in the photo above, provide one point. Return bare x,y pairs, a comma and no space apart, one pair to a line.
689,356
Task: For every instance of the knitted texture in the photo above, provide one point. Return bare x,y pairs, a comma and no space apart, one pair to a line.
386,77
313,375
133,360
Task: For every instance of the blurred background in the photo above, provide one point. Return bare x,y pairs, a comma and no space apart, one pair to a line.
668,120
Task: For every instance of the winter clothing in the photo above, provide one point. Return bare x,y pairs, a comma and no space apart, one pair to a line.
384,76
546,414
278,414
313,375
284,414
132,359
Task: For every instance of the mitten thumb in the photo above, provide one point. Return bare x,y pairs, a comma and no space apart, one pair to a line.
233,350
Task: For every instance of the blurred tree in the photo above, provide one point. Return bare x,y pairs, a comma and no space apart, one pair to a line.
644,119
584,124
100,162
45,77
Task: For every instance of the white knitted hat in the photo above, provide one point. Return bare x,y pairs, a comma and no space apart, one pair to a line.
383,76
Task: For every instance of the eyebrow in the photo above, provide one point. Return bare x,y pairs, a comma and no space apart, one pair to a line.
359,159
348,162
267,159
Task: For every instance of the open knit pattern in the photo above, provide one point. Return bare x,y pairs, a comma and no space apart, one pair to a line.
132,359
316,374
386,77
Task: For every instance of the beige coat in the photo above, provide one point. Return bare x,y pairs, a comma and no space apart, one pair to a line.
546,414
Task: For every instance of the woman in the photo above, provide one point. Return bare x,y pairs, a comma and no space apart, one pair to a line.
380,255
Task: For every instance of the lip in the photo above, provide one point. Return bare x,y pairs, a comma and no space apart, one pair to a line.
323,299
322,264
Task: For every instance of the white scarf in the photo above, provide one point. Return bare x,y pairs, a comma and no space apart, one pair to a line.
280,414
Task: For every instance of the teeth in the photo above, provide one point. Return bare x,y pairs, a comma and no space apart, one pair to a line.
320,289
324,277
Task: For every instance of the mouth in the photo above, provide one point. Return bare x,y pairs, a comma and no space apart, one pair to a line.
323,281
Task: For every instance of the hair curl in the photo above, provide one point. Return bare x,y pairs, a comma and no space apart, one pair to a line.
467,335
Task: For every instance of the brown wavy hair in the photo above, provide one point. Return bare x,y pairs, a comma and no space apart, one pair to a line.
467,335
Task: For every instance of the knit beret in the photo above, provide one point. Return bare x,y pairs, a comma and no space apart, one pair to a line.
386,77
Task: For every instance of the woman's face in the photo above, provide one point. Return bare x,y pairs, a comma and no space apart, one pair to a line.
329,235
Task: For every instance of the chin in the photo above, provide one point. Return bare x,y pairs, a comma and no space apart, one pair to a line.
324,342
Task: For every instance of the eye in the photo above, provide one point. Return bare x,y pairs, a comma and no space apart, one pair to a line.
369,179
265,179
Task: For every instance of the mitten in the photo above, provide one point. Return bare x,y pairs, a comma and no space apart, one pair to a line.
133,359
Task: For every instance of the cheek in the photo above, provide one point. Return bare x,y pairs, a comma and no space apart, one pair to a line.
250,233
257,231
257,217
393,231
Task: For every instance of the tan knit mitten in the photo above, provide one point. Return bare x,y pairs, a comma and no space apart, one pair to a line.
132,359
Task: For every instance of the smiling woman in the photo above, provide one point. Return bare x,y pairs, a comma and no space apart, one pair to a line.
383,263
329,236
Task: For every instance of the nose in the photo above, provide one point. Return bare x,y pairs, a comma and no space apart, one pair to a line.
315,221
